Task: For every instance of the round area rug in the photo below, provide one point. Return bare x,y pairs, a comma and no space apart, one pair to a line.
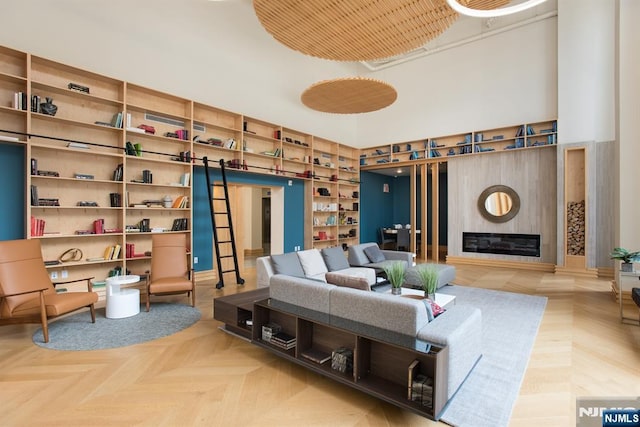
76,332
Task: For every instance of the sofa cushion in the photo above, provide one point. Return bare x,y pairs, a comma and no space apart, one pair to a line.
348,281
312,262
334,258
374,254
288,264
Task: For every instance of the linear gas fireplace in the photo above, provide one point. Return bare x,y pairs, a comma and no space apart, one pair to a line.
502,243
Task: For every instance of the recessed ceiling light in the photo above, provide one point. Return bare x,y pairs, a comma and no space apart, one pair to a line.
399,171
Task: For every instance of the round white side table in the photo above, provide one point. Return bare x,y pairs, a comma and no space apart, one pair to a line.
122,302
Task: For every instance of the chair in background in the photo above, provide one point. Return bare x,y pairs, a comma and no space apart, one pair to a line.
27,295
635,296
170,274
384,240
403,241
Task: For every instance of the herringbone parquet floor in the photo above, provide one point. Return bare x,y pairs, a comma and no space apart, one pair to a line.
204,377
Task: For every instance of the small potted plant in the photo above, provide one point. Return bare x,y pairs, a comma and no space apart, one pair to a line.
395,272
428,277
627,258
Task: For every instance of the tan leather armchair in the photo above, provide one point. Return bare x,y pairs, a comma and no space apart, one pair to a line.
170,274
26,292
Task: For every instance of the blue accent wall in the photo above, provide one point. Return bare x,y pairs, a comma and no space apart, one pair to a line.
12,172
202,231
379,209
376,207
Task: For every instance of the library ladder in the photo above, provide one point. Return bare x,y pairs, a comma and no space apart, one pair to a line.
218,227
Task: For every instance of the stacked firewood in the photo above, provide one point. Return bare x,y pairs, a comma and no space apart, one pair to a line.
575,228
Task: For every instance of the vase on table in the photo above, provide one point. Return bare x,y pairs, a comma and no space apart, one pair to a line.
396,290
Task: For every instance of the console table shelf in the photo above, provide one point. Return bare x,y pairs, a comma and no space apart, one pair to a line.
381,359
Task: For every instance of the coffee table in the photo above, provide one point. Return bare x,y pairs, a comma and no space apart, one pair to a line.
122,302
441,299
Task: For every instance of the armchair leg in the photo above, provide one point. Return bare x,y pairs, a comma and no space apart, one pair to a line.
43,318
148,296
93,313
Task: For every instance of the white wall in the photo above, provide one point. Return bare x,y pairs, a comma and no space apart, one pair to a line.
628,233
213,52
586,70
501,80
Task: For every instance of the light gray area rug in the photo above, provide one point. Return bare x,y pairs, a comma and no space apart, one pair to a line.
76,332
509,327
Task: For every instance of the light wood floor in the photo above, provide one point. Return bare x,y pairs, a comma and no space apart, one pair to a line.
202,376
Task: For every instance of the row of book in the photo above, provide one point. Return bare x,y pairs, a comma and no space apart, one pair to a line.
180,224
182,134
112,252
181,202
20,102
115,200
130,251
283,340
37,226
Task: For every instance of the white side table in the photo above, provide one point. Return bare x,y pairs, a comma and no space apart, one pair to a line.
122,302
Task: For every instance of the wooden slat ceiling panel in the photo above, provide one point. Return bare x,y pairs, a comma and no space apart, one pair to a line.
349,95
358,30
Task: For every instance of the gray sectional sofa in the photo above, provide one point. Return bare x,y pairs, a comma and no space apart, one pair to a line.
312,264
459,327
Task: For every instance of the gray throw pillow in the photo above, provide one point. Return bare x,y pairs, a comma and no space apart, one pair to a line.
374,253
334,258
288,264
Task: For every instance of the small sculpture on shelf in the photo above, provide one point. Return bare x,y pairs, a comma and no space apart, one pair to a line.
48,107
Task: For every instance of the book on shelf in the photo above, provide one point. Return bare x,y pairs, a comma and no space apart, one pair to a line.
413,371
185,179
98,226
180,202
316,355
37,227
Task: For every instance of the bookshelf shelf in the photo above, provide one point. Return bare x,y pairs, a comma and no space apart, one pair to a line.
87,105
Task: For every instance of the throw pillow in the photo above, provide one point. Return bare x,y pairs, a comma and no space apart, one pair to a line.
433,309
288,264
334,258
374,253
348,281
312,262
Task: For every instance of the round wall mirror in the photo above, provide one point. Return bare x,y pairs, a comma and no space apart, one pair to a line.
499,203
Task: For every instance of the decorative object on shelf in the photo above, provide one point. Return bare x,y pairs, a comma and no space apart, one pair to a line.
78,88
396,272
491,12
428,277
70,255
349,95
350,30
48,107
627,257
342,360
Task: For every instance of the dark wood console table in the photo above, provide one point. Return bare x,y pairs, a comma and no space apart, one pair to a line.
384,363
234,310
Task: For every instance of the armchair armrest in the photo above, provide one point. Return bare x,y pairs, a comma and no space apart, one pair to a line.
31,291
88,279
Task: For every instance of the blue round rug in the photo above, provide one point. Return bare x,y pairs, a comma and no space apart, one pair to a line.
76,332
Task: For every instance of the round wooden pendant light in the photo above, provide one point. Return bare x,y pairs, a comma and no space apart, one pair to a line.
358,30
349,95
